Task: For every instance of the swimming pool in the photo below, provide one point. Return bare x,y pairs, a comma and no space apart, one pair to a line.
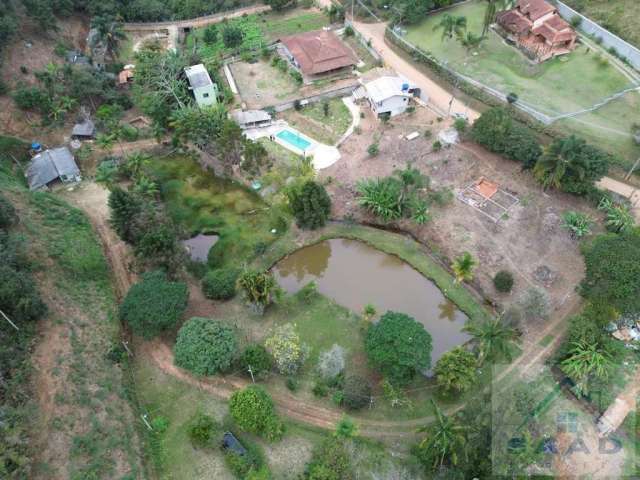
294,139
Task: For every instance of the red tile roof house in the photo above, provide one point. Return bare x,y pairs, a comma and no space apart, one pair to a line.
318,53
536,27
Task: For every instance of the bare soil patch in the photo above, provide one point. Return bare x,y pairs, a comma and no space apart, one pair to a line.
528,239
262,85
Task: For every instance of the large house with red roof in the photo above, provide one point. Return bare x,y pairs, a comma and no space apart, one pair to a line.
535,26
318,53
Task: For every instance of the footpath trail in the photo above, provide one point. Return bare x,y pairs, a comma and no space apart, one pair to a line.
92,198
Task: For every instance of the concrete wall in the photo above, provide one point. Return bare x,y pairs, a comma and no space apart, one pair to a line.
609,40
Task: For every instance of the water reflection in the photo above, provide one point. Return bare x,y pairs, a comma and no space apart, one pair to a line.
354,274
198,246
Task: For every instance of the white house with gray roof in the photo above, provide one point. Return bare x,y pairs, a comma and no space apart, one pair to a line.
387,94
204,90
51,165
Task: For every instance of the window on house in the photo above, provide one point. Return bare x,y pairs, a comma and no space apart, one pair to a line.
205,95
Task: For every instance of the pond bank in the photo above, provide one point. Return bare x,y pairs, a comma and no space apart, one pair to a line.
402,246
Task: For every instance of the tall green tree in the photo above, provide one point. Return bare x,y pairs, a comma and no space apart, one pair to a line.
311,205
493,339
399,346
456,370
124,207
110,33
571,164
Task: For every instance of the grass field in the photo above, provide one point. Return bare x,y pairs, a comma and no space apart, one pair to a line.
619,16
312,121
198,201
561,85
260,30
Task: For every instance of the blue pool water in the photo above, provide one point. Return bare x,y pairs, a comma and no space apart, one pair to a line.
293,139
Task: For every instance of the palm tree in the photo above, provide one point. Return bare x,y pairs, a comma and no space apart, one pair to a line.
145,186
463,267
558,160
451,25
586,360
135,164
619,218
470,40
110,32
494,339
444,440
489,16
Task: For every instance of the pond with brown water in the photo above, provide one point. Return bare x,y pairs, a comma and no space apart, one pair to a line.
354,274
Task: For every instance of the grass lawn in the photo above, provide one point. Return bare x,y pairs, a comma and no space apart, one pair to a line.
199,201
361,52
312,121
561,85
275,25
278,153
260,30
619,17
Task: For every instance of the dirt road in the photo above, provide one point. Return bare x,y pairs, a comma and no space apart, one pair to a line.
438,96
195,22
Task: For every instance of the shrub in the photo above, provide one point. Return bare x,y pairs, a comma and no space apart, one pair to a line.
210,35
28,98
512,98
292,384
205,346
330,461
499,133
220,284
456,370
578,223
399,346
19,297
311,205
287,350
297,76
202,430
460,124
331,362
259,289
349,31
320,389
436,146
232,36
160,424
373,150
4,88
535,304
503,281
613,272
253,411
8,216
357,392
258,359
154,304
